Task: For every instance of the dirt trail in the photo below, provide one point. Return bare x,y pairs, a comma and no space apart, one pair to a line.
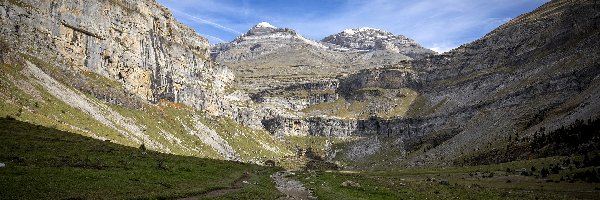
293,189
236,186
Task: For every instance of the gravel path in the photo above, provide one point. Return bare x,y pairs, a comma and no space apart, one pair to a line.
293,189
237,186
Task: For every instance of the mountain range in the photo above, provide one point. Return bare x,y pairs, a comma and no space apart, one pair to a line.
364,97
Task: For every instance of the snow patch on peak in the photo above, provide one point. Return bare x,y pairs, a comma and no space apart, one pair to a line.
358,30
349,31
368,28
264,25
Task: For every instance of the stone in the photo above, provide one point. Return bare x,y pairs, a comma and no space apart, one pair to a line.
444,182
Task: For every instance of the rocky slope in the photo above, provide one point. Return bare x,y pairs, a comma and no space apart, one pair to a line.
261,58
541,69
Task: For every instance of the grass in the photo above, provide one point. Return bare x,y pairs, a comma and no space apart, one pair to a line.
45,163
163,120
422,106
471,182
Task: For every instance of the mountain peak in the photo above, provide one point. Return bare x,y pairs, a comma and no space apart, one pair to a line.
265,28
264,25
369,39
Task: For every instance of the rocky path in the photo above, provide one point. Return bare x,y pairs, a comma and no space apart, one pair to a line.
237,186
293,189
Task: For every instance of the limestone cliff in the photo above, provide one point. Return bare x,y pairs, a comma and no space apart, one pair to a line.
137,43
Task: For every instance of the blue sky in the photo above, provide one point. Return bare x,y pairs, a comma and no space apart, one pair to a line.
436,24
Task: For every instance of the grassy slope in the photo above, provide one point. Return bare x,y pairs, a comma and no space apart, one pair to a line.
167,123
251,145
45,163
36,105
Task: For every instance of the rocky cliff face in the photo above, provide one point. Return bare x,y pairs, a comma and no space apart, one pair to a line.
370,39
137,43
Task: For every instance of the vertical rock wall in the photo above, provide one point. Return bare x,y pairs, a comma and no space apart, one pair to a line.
137,43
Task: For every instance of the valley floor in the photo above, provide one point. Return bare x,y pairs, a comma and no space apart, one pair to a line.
44,163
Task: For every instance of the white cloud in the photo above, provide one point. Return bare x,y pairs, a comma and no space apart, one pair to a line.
441,48
213,37
204,21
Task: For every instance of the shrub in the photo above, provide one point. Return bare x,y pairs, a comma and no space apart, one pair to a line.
544,172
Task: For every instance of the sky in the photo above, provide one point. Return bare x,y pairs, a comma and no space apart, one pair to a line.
440,25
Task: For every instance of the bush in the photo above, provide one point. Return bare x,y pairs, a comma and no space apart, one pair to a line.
555,169
544,172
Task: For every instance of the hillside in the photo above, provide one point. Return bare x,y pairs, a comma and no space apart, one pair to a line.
535,72
45,163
